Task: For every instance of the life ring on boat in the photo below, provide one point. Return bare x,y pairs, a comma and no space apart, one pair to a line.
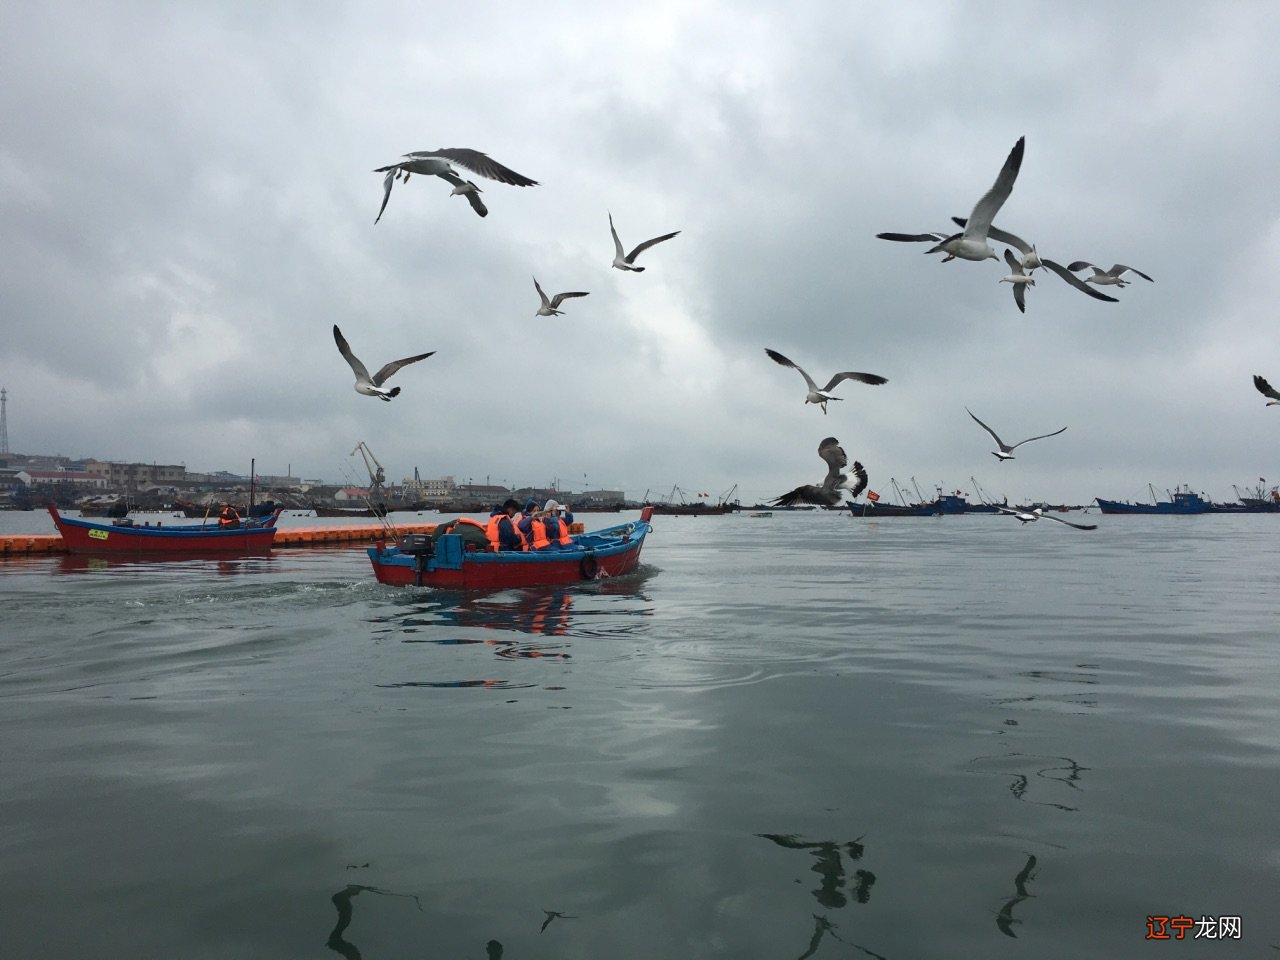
588,567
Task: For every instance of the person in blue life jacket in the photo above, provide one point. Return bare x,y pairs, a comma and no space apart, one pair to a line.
502,530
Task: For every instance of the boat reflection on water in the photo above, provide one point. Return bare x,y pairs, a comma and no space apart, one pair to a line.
530,623
74,563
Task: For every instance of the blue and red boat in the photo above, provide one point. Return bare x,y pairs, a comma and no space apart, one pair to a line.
1181,502
449,563
126,538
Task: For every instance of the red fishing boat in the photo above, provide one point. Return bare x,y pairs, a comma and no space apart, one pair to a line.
446,562
124,537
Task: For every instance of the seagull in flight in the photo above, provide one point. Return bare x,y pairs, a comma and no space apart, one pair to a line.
548,308
973,243
1267,390
821,397
626,261
1006,450
437,163
373,386
1020,278
1114,276
828,492
1039,514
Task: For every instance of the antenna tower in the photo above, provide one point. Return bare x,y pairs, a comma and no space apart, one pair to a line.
4,421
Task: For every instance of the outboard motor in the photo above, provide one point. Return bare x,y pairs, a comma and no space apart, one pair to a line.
421,547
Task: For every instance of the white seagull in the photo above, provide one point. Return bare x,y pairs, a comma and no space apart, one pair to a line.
972,243
821,397
1006,449
548,308
1030,259
1267,390
828,492
626,261
365,384
1039,514
1020,279
1114,276
437,163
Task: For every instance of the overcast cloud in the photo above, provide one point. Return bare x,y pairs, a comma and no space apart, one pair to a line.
188,204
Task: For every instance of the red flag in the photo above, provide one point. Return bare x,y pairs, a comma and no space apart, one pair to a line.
872,496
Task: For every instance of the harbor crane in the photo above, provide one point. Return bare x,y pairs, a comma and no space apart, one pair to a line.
377,476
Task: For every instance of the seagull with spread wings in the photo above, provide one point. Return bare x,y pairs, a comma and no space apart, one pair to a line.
827,493
1006,449
1112,277
973,243
438,163
627,261
1267,390
1039,514
821,397
548,308
365,384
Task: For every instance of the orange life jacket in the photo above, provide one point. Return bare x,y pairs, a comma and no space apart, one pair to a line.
538,533
491,531
563,538
228,516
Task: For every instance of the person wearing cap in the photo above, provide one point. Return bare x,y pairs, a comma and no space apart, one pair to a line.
502,531
228,519
557,526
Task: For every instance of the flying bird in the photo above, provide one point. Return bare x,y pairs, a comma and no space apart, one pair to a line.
1266,390
821,397
1006,450
373,386
972,244
1039,514
828,492
548,308
437,163
1021,279
1114,276
1030,258
626,261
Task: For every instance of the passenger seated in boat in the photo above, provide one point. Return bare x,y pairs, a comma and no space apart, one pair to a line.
534,526
228,519
557,526
501,531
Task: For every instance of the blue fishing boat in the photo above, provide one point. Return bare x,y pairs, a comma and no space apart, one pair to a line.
1181,501
124,537
449,562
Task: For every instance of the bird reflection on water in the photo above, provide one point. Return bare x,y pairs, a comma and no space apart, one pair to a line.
831,892
1004,919
342,901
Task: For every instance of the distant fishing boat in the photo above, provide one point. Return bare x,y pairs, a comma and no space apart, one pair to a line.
1182,502
378,510
444,562
124,537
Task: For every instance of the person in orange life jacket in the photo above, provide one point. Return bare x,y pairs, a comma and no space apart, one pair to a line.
228,519
534,527
556,525
502,531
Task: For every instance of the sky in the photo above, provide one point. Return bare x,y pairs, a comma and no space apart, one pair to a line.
188,200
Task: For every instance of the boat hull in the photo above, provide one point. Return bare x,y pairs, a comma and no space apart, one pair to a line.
85,537
1182,504
612,552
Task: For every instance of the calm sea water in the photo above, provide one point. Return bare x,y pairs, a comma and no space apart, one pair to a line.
803,736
